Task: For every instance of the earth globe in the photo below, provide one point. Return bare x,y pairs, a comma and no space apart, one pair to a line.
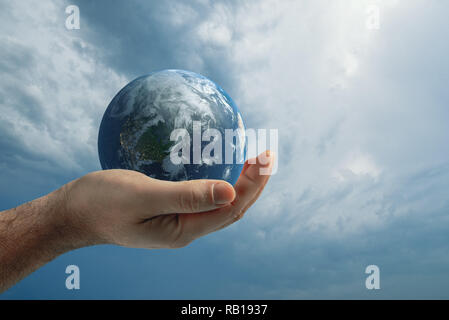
173,125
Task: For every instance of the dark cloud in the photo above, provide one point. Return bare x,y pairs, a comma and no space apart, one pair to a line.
139,37
362,119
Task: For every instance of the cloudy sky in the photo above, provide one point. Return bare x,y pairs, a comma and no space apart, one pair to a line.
363,120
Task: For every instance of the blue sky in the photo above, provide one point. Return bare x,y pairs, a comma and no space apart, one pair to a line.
363,122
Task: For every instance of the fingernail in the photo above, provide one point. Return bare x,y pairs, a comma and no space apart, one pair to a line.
265,158
222,193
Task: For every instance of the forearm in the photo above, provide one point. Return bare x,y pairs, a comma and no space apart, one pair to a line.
32,235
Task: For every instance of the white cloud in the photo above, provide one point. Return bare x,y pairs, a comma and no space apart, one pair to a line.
54,88
359,164
311,70
347,129
362,118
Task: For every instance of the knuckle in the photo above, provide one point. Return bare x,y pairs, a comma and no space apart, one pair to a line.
191,198
239,215
181,244
179,237
177,232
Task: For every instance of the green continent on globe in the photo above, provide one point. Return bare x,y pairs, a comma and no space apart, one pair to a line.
151,146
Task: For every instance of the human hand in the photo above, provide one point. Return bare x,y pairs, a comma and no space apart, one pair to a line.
125,208
128,208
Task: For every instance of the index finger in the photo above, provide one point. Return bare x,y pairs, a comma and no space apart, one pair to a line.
248,188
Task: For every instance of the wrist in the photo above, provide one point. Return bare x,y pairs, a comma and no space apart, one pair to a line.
34,234
61,225
77,218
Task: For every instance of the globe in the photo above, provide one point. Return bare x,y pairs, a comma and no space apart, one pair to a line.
173,125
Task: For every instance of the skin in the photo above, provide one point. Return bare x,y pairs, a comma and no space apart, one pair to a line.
125,208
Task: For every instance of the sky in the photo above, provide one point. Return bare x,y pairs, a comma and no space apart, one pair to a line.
363,120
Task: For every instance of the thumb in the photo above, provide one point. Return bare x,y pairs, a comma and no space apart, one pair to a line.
191,196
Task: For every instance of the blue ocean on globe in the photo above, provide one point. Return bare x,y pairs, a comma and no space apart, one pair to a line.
137,125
